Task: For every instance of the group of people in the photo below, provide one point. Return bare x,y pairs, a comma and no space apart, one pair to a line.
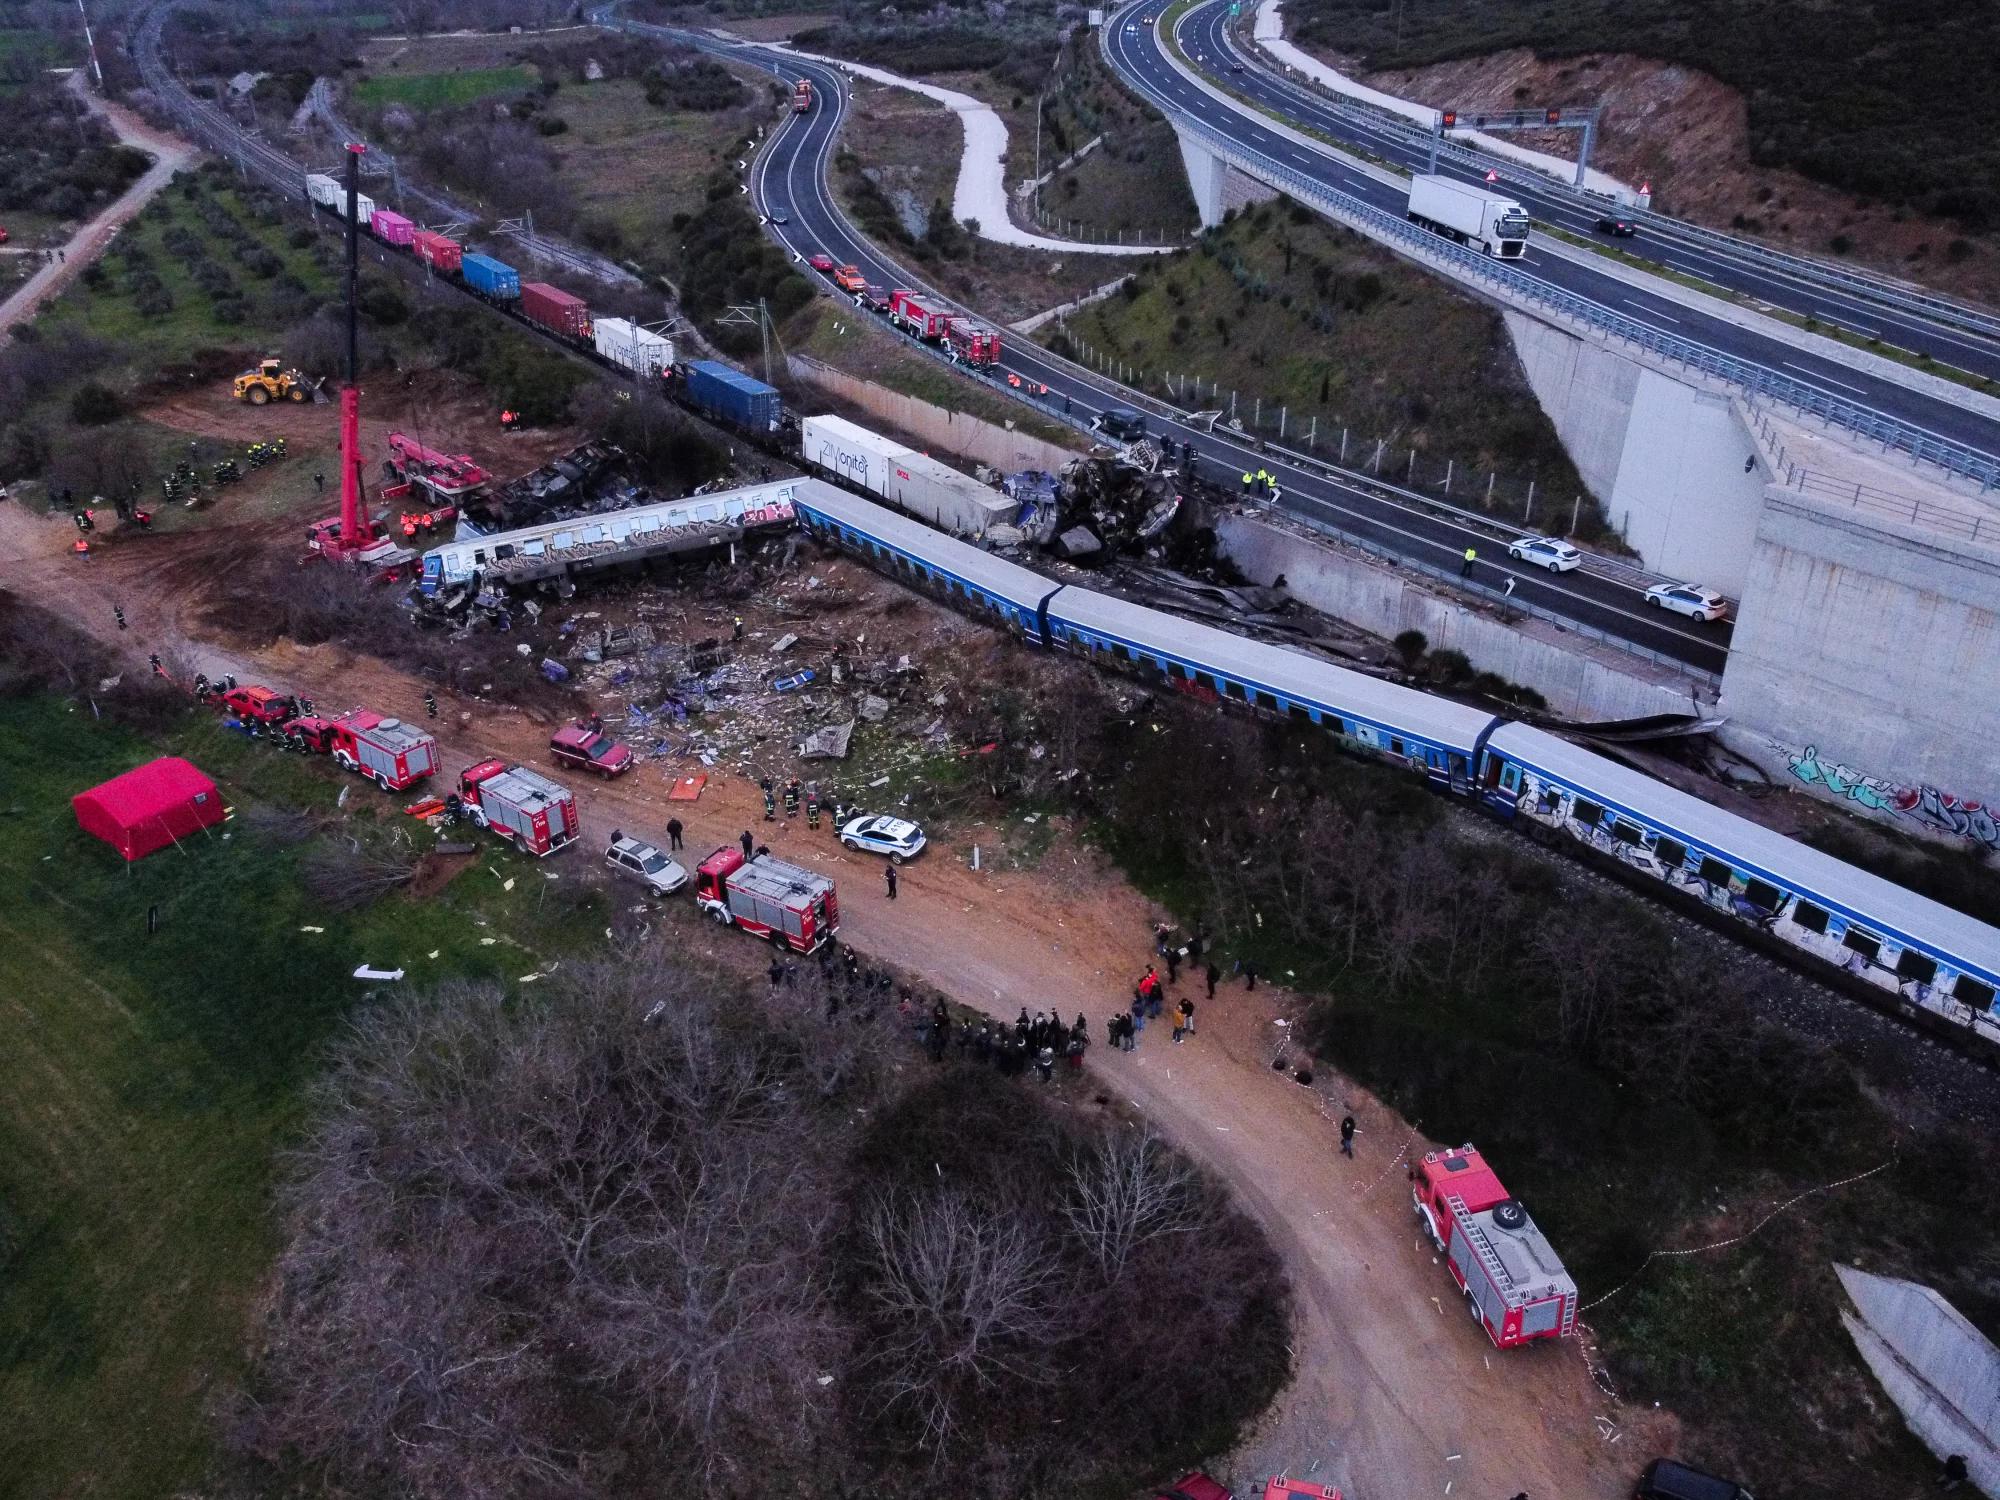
794,794
1040,1040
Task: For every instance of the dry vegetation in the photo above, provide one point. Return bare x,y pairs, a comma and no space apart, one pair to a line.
648,1226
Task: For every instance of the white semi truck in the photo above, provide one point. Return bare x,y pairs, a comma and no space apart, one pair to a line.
1470,215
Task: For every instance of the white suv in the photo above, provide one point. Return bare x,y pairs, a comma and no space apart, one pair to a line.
644,863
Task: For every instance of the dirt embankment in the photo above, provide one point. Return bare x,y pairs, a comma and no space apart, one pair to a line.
1395,1392
1688,135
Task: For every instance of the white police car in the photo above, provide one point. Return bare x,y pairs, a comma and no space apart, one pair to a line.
644,862
1546,551
898,838
1688,599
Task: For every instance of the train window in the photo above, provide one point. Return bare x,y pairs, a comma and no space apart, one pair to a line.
1670,852
1236,690
1917,966
1715,872
1810,917
1866,944
1205,679
1266,700
1176,671
1299,712
1586,811
1969,991
535,548
1395,747
502,552
1628,833
1510,779
1763,895
479,557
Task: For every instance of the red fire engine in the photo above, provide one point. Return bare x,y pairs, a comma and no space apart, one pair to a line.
1514,1283
524,807
919,317
802,96
974,343
390,753
793,908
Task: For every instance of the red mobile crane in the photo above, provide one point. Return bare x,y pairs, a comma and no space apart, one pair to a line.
449,479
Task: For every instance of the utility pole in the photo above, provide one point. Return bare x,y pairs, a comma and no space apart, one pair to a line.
90,45
351,526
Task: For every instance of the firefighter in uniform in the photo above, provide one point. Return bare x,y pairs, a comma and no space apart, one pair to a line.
770,801
430,703
792,798
812,805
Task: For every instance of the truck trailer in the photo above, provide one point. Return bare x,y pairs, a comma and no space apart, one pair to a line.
1514,1283
903,477
1470,215
767,898
535,814
633,348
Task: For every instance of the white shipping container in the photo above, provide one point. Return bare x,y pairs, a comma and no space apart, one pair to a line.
323,190
907,479
631,347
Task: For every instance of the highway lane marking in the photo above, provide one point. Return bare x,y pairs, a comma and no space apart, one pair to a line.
1841,320
1806,370
1645,309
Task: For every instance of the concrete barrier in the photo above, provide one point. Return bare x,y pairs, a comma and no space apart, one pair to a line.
934,426
1579,678
1942,1373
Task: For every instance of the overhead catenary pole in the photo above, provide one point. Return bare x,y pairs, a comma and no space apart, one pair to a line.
351,530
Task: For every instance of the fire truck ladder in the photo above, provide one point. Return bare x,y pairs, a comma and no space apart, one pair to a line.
1476,1238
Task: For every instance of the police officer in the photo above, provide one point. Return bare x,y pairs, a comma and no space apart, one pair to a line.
1248,480
1465,568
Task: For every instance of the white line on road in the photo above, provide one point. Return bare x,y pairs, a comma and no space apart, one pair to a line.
1645,309
1841,320
1804,370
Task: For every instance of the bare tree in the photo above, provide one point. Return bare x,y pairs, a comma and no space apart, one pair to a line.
1127,1191
346,876
964,1297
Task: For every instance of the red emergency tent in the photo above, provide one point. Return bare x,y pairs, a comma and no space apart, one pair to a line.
149,808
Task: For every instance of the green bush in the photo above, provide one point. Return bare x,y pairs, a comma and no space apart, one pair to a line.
94,405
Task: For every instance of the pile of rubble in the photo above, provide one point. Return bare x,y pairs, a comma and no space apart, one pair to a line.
587,479
1096,508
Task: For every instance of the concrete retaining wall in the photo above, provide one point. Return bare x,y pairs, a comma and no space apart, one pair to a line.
953,431
1665,458
1863,666
1579,678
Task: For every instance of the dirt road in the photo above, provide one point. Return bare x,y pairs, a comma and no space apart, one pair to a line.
170,153
1396,1393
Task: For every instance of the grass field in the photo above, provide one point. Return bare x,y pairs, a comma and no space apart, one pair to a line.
1284,312
442,90
149,1081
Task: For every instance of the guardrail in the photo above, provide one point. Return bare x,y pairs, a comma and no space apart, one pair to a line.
1891,432
1936,308
1965,525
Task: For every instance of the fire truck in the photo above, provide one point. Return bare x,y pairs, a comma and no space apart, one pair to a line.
1514,1283
802,96
974,343
392,754
910,311
533,813
767,898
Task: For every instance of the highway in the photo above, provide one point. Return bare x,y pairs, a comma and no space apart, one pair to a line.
791,176
1206,36
1140,55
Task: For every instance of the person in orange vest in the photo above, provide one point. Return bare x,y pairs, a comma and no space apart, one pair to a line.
82,549
507,421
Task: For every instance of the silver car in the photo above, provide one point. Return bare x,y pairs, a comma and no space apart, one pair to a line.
645,863
898,838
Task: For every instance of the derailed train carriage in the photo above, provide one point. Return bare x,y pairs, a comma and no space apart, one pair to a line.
1875,940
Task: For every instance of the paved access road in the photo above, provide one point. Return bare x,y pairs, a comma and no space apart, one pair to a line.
1140,51
791,177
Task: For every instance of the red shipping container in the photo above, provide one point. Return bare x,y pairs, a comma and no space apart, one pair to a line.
439,251
555,309
392,227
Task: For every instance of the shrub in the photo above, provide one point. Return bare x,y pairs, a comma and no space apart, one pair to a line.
94,404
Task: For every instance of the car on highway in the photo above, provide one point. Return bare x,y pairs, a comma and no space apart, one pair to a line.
1236,67
1548,552
634,859
779,216
873,297
585,749
898,838
820,261
1623,229
1687,599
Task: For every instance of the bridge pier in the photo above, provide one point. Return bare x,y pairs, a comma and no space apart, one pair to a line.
1217,186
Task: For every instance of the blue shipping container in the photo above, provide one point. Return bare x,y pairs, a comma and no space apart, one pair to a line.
730,393
493,278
